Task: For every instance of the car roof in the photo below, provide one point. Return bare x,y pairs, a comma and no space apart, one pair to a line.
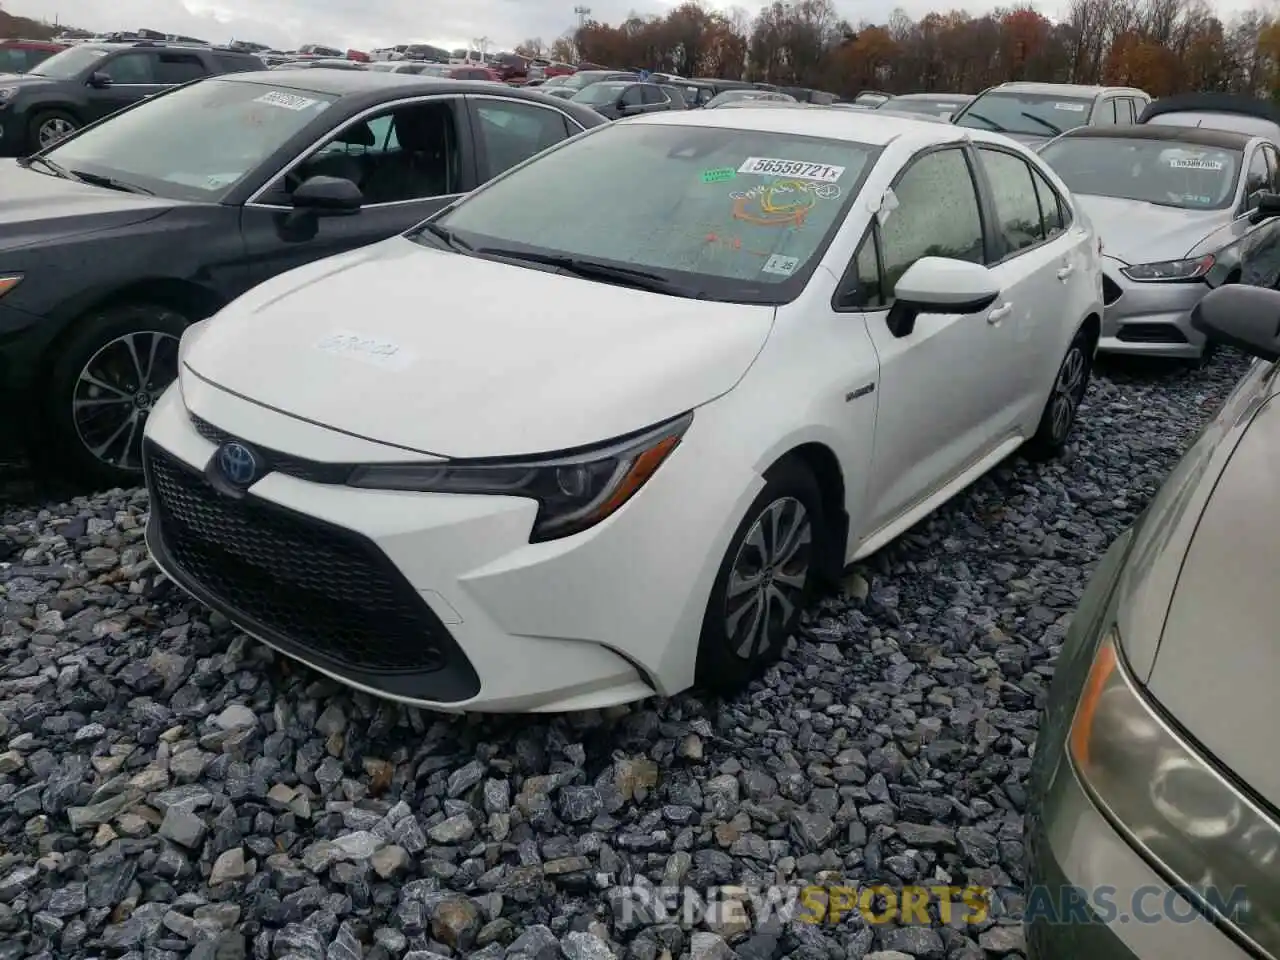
958,97
1200,136
853,126
1064,89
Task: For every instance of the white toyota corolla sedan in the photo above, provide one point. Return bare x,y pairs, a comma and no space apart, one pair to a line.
599,429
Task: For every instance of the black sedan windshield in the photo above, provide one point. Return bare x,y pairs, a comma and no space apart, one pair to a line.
68,63
194,143
1164,172
714,213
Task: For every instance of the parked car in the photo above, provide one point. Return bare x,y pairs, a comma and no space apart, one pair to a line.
700,91
399,66
321,63
906,115
808,95
770,365
1035,112
19,56
91,80
469,71
616,99
943,105
740,96
872,98
511,66
1152,770
676,95
132,228
568,86
1173,206
1219,111
322,51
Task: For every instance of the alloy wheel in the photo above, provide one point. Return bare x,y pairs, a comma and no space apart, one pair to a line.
54,129
1066,393
767,580
115,392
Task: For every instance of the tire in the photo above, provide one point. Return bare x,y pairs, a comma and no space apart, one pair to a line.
729,652
1059,416
41,131
102,386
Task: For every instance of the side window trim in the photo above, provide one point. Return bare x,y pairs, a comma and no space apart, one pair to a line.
873,228
133,53
256,200
985,187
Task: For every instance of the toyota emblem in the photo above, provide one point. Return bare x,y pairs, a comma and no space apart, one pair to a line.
238,463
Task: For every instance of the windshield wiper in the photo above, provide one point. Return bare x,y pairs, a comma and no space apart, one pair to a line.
994,126
447,237
1041,120
111,183
589,269
28,162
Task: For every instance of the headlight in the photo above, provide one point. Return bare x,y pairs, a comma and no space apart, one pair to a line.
574,491
6,93
1168,271
8,282
1174,805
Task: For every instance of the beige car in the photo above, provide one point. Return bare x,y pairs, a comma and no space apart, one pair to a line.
1152,830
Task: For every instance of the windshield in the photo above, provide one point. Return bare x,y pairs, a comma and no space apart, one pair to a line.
1034,114
599,94
68,64
194,143
580,80
938,108
1165,172
557,81
719,213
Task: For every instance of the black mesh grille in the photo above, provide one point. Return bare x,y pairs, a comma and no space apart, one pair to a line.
319,587
1150,333
311,470
1110,290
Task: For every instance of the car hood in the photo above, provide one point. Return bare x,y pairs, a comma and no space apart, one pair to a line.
25,80
1219,657
1134,231
460,356
37,207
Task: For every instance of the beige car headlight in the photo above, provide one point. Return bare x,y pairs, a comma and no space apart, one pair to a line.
1217,847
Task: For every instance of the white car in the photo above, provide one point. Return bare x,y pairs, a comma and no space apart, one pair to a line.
599,430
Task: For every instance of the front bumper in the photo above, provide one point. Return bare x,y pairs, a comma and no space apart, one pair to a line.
438,601
1149,319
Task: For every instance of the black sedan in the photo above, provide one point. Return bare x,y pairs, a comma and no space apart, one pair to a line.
115,239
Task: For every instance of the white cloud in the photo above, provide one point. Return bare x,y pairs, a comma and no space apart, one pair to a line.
354,23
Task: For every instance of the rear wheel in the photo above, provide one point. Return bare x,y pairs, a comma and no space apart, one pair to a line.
103,385
1059,414
50,126
768,575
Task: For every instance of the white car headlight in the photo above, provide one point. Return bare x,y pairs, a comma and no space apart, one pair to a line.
1222,848
1170,271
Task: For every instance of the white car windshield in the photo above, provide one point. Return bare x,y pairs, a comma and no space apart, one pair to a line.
1164,172
67,64
717,213
194,143
1034,114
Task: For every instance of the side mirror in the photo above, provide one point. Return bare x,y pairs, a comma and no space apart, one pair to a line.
1247,318
99,80
940,285
628,109
328,196
1268,207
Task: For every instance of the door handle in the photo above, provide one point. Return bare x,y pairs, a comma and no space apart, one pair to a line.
999,313
1066,271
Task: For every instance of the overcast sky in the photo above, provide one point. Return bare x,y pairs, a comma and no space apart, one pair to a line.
451,23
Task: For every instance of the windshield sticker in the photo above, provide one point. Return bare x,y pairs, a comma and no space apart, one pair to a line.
780,204
356,346
1193,198
1070,107
801,170
783,266
287,101
719,175
1196,163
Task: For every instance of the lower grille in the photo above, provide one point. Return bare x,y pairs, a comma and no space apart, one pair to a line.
316,587
1110,291
1150,333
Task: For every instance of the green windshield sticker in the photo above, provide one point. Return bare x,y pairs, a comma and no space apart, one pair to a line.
719,176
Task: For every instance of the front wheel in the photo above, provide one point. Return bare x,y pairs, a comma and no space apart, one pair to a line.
1060,410
104,383
50,126
768,575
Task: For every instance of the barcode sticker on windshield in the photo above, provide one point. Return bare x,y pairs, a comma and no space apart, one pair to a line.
796,169
1070,107
286,100
1196,163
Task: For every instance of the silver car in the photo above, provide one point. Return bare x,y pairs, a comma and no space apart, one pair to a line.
1179,210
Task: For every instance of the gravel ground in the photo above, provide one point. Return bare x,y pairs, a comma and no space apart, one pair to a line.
169,788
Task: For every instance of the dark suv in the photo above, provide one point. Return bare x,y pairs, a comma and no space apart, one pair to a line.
88,81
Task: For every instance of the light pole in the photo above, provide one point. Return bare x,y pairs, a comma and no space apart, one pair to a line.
582,13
